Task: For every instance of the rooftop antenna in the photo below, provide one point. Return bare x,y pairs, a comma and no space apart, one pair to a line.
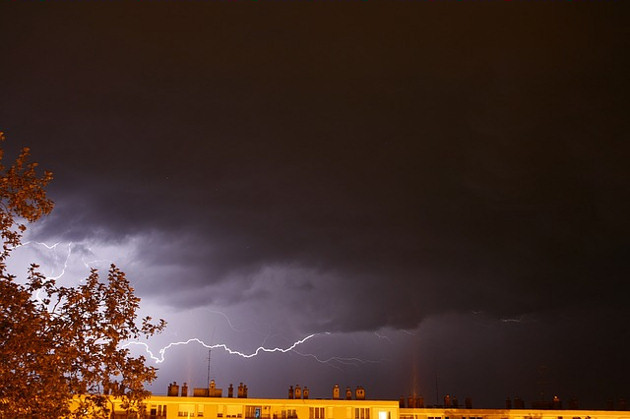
209,357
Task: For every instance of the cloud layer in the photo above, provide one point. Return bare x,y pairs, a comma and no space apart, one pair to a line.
356,170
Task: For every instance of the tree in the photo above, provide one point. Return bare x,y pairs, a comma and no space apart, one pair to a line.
62,345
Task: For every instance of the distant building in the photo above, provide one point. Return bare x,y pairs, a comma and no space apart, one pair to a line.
180,405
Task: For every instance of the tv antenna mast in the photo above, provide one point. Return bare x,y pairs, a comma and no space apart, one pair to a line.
209,357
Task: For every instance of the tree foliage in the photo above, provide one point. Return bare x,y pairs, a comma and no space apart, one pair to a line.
57,343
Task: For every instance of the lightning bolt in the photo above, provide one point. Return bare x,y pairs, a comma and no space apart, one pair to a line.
382,337
513,320
334,361
355,362
227,319
161,352
51,247
65,263
344,361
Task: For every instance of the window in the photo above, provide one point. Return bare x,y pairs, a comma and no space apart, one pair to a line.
156,411
253,412
361,413
316,413
186,410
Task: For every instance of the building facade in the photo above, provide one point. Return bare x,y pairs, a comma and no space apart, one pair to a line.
172,407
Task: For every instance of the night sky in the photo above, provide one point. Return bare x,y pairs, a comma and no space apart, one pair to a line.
437,190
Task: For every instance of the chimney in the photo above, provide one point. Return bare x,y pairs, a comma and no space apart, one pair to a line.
173,389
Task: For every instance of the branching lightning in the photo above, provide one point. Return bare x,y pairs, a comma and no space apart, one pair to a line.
223,346
345,361
52,247
334,361
353,361
65,263
227,319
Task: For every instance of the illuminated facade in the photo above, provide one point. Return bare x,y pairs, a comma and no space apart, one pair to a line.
165,407
171,407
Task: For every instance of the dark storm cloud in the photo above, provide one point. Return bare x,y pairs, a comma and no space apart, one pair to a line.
414,168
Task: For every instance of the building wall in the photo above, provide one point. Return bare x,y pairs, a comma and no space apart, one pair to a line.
246,408
164,407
